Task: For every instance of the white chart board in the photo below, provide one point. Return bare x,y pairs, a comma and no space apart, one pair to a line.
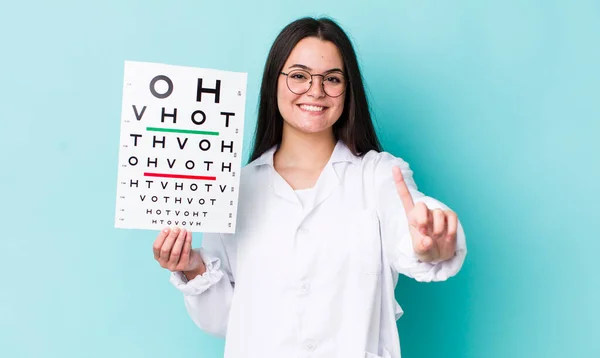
180,147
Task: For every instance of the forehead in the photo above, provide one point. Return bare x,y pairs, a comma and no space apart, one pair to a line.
317,54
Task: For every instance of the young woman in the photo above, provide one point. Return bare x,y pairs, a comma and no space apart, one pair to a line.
326,220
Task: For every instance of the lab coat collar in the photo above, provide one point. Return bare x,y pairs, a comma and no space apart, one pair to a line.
341,153
327,182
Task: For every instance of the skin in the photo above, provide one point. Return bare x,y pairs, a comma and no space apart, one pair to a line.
307,144
433,232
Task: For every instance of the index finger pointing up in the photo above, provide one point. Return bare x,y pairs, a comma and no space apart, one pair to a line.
402,189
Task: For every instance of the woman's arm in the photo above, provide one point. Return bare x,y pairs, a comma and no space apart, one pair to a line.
208,291
414,243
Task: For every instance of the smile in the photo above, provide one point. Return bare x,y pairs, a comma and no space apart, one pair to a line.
311,108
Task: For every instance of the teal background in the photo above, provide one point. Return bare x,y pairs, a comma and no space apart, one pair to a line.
494,103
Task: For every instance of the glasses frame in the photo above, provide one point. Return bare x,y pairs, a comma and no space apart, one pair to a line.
322,75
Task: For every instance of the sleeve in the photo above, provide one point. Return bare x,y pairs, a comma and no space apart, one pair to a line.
395,235
207,297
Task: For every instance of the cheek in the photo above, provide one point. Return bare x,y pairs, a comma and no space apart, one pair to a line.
285,100
281,102
339,105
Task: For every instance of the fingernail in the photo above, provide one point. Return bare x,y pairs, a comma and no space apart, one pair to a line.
176,230
166,229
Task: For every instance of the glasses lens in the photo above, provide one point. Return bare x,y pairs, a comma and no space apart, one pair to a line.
298,81
334,84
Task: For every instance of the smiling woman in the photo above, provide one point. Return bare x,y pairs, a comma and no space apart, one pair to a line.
326,220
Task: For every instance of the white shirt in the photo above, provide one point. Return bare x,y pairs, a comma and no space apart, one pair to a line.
305,197
318,279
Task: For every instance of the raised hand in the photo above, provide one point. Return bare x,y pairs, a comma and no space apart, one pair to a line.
433,232
173,251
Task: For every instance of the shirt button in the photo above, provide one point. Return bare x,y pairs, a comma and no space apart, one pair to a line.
305,287
310,345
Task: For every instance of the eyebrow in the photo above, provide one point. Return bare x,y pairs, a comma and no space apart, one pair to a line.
310,69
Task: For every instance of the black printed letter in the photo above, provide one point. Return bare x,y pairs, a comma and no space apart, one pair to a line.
174,115
135,138
138,115
194,117
155,141
204,144
227,114
223,146
216,91
169,84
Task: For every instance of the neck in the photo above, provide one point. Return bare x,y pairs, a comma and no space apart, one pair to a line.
306,151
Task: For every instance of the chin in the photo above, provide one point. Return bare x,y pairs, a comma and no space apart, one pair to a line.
308,127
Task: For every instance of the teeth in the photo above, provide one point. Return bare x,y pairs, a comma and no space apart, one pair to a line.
311,108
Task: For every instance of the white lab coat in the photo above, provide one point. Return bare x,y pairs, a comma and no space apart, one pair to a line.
313,280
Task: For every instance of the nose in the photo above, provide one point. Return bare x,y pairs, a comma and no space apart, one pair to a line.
316,87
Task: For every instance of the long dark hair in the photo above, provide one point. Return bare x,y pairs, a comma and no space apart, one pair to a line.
354,127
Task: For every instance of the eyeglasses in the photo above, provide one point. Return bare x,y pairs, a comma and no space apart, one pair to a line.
300,81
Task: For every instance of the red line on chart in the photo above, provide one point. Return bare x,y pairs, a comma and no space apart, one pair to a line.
179,176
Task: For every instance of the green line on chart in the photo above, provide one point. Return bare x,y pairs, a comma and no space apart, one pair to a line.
169,130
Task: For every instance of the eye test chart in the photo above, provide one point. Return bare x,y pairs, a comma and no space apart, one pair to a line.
180,147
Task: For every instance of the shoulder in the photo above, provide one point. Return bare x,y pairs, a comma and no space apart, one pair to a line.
259,165
371,161
252,169
378,167
382,162
253,176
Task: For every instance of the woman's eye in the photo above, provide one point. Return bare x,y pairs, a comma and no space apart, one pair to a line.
298,76
333,79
